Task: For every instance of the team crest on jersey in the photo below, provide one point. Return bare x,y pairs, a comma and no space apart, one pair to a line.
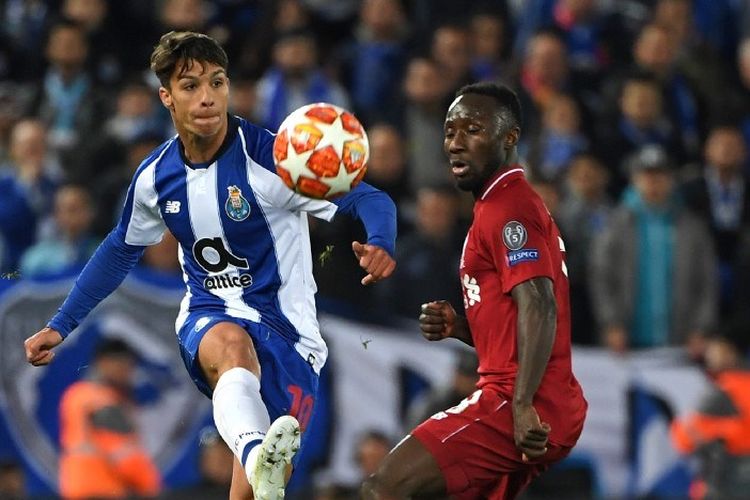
514,235
237,207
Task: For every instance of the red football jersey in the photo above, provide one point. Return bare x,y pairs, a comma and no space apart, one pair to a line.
511,240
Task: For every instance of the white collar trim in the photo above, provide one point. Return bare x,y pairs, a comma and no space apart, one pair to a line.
506,174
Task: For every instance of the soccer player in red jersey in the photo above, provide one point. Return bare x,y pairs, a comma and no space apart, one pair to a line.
528,410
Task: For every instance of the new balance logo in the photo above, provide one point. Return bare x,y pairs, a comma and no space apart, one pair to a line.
173,207
471,289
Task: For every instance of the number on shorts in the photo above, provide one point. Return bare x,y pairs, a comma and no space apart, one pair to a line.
302,406
465,403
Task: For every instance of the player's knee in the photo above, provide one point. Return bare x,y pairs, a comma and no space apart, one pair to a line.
227,347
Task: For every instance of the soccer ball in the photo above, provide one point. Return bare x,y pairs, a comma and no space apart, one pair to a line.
321,151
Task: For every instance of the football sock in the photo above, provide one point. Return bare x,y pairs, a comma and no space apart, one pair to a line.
239,413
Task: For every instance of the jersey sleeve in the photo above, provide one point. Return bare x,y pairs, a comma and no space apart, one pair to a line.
518,242
141,222
377,212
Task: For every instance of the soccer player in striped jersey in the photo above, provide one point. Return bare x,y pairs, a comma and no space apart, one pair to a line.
247,327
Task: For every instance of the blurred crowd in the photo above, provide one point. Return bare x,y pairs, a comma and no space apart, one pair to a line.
636,125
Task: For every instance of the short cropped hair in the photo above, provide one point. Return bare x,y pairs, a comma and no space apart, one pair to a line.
185,46
113,347
504,95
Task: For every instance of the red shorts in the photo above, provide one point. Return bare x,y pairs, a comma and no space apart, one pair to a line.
474,447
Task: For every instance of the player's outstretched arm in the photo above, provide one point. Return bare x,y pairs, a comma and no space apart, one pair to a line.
537,325
103,273
377,212
438,320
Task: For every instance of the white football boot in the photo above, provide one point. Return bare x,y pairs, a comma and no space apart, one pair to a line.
267,462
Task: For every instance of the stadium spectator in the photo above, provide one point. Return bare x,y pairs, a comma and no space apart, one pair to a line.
654,274
593,37
244,99
741,102
583,214
294,79
544,73
255,54
696,58
25,26
387,169
656,52
68,100
559,139
12,101
462,384
451,51
112,54
425,92
101,452
215,461
136,113
489,32
434,244
640,120
717,432
11,480
72,242
374,61
185,15
27,190
721,196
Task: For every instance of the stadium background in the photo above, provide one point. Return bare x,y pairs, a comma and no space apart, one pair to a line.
396,64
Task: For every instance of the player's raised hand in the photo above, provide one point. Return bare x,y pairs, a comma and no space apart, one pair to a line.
437,320
39,346
374,260
529,433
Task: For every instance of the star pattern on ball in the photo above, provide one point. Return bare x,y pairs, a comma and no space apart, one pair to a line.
321,151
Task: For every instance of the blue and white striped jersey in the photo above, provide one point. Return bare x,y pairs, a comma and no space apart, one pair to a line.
243,236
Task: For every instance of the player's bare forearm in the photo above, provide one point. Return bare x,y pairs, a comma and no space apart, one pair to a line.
537,324
461,331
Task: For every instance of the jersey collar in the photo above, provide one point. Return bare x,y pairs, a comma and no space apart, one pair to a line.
232,123
503,174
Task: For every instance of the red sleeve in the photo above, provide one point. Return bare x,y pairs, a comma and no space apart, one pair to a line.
518,241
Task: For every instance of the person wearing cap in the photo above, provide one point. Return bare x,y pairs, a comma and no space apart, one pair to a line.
101,453
717,432
653,270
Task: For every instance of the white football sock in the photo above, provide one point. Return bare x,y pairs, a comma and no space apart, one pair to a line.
239,413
